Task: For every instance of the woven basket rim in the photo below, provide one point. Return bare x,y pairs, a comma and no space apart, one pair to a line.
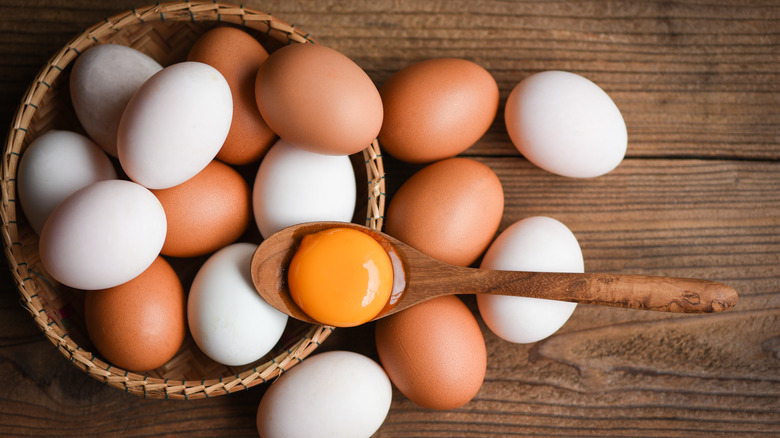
27,279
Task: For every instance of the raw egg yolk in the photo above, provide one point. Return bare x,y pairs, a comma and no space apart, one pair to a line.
340,277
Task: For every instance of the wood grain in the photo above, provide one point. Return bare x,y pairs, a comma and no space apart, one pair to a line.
698,83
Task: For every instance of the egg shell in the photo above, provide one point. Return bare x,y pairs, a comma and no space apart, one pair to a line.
206,212
238,56
333,394
566,124
538,244
174,125
433,352
103,235
53,167
436,109
449,210
318,99
138,325
226,316
102,81
293,186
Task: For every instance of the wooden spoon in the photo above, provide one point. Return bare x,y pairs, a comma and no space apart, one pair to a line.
418,278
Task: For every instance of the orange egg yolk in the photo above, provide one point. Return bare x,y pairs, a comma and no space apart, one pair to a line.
340,277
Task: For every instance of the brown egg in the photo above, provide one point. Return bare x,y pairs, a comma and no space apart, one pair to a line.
138,325
205,213
318,99
436,109
449,210
238,56
434,352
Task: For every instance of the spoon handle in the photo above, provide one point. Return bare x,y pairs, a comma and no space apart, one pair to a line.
666,294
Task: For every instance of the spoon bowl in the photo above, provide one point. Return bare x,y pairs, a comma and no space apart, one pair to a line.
418,278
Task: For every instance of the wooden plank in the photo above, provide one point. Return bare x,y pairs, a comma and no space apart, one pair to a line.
692,79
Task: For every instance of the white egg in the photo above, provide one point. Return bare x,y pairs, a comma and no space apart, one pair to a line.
333,394
54,166
228,319
295,186
566,124
103,80
103,235
538,244
174,125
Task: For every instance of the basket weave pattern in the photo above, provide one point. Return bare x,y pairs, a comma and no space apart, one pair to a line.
165,32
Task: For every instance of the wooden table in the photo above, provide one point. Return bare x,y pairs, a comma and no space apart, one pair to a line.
698,195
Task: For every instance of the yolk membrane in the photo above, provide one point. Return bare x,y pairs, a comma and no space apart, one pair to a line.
340,277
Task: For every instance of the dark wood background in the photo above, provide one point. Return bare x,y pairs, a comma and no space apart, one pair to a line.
698,195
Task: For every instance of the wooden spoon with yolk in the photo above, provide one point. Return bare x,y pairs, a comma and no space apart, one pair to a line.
418,278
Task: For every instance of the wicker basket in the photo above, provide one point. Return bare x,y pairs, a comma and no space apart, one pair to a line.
165,32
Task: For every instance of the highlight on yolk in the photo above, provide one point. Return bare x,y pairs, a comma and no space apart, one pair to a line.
340,277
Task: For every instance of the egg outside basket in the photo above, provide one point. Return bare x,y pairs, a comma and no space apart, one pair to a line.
165,32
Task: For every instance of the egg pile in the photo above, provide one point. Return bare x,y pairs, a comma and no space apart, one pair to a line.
181,162
157,178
